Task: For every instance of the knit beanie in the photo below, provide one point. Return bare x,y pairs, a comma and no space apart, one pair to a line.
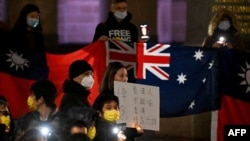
78,67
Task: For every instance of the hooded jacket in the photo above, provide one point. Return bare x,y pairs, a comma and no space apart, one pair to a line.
232,35
75,95
122,30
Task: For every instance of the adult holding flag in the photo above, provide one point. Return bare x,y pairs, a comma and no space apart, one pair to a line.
118,25
26,38
24,59
224,31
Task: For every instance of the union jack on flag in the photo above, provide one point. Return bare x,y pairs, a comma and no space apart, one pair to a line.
141,57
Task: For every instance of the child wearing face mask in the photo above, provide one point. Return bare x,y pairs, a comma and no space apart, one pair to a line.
6,121
118,25
77,87
224,31
107,104
116,71
44,114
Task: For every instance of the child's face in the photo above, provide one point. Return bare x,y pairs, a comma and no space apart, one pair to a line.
110,111
112,105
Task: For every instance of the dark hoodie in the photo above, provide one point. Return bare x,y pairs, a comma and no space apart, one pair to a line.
232,35
124,30
75,95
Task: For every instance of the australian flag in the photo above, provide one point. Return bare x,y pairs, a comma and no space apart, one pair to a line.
187,76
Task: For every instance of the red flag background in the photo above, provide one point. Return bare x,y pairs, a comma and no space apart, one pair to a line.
95,54
232,112
235,102
16,89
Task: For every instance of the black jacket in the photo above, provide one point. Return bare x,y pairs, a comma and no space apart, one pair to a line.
128,32
104,131
30,44
130,133
75,95
3,134
55,122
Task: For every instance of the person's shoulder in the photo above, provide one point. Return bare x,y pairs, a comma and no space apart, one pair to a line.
86,114
132,26
61,115
29,114
26,118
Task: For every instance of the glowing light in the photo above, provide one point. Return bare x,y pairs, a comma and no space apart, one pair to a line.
115,130
222,39
44,130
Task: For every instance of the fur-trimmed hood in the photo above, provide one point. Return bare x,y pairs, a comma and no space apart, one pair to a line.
216,19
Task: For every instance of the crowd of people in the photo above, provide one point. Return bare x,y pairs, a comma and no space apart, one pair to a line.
75,119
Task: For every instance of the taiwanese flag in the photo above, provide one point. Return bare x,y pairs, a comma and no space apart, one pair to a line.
17,73
235,104
18,70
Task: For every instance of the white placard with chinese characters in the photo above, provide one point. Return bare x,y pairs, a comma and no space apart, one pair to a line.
138,104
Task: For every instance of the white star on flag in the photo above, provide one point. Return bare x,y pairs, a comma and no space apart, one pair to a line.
181,78
211,65
192,104
198,55
204,80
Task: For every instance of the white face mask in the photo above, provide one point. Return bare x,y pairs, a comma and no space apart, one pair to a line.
87,82
120,15
224,25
